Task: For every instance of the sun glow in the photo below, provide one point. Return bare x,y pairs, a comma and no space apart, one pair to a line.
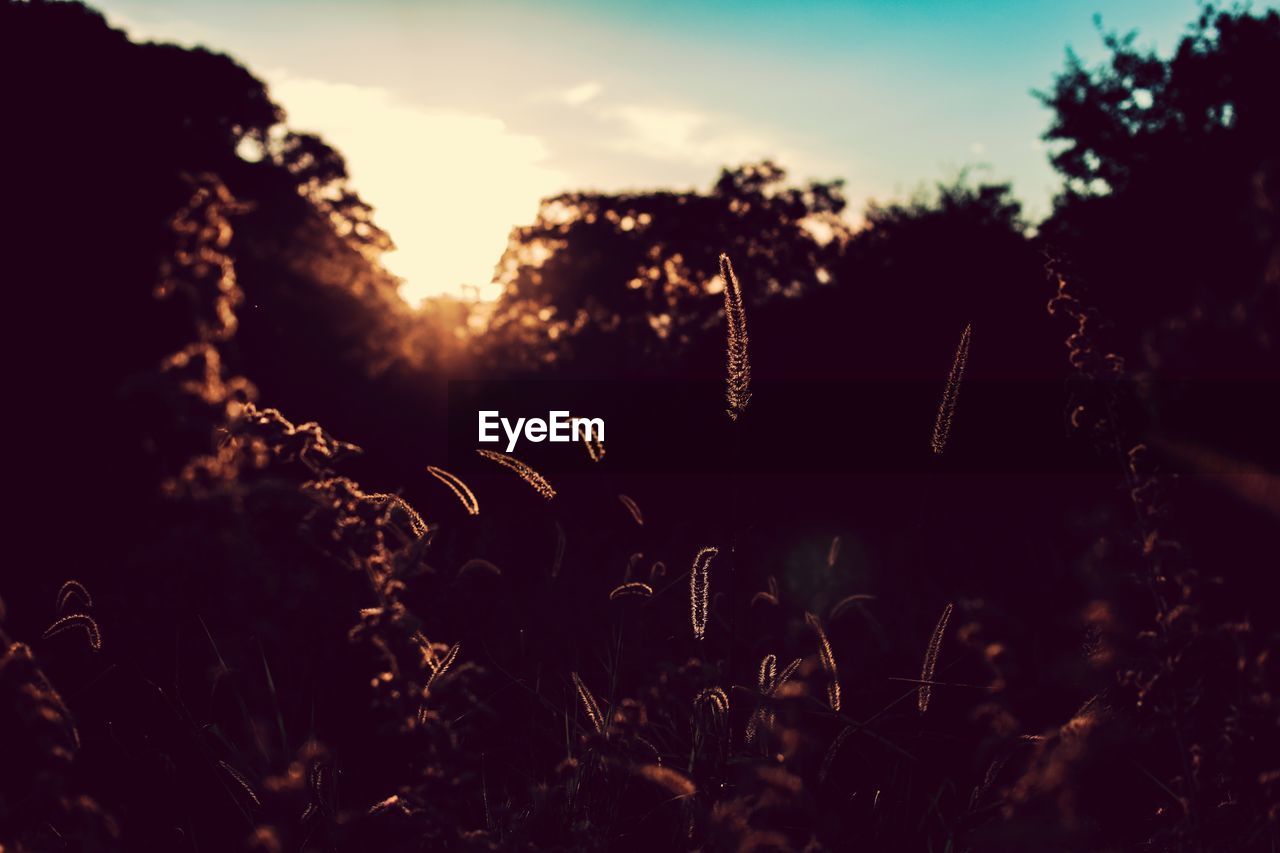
448,186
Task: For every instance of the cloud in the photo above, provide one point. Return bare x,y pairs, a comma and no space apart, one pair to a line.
674,134
576,96
684,135
447,185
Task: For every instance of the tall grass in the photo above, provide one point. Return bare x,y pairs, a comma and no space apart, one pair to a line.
951,393
699,590
738,379
530,476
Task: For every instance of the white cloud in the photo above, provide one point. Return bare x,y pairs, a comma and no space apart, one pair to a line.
977,148
674,134
684,135
576,96
447,185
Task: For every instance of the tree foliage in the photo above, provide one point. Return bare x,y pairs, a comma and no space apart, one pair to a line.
1170,205
631,278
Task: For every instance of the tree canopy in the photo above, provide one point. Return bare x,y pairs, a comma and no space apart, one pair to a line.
634,274
1169,211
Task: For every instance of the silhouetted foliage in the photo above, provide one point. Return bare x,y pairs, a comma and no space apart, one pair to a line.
621,282
1171,211
280,640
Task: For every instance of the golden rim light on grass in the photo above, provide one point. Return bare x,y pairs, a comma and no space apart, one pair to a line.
699,587
828,660
931,659
633,509
459,488
530,476
588,703
634,589
738,379
950,394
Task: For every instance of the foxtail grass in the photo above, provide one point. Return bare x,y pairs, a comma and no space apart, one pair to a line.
848,601
417,526
238,778
71,594
459,488
788,672
593,442
711,723
632,508
738,379
768,681
699,587
673,781
631,589
391,802
768,672
73,622
442,668
530,476
931,660
947,408
713,701
588,703
828,660
765,678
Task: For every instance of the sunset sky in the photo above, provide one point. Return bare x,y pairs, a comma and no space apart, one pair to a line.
457,117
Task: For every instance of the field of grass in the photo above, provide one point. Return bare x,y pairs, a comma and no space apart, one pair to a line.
904,541
288,659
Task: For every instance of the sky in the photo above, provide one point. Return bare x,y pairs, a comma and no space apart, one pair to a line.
457,118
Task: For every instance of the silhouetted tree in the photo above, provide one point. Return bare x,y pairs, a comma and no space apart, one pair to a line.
1170,209
918,271
104,133
624,281
610,284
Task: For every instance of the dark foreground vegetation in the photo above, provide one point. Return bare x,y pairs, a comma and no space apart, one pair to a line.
286,634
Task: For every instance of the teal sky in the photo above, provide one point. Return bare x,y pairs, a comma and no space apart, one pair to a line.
439,104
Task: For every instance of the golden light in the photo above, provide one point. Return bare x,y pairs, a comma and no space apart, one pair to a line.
448,186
